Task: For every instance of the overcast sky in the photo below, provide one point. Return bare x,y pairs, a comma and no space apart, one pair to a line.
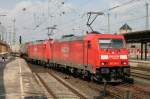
34,16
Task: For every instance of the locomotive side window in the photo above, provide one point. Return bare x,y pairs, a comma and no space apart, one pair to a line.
89,44
111,43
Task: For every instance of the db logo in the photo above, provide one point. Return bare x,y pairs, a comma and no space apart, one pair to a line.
65,50
35,49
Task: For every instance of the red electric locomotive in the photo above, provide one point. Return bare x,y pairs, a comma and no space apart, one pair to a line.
103,57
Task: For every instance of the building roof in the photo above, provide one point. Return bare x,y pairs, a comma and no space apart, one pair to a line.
137,36
125,27
3,43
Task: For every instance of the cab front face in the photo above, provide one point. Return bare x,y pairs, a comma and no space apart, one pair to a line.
112,52
113,57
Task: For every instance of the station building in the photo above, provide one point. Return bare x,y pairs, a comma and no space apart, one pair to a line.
138,42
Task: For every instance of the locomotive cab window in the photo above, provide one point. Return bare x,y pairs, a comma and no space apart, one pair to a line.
111,43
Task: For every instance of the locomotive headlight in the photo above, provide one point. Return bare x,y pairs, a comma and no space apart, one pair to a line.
104,56
123,57
104,63
124,63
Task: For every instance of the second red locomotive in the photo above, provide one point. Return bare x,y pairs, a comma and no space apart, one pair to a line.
103,57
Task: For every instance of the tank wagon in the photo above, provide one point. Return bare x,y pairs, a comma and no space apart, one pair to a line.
102,57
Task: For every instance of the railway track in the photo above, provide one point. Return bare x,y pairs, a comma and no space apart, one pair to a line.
110,91
135,92
57,87
120,91
141,72
139,75
140,68
74,90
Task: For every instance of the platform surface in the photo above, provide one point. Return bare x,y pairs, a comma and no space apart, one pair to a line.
15,81
9,80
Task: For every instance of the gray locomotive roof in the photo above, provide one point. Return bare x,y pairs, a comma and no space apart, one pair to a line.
37,42
72,38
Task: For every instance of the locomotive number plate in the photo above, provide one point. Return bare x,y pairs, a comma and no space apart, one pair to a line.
114,63
114,56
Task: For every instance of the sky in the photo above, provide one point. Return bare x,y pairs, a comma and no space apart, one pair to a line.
8,4
33,17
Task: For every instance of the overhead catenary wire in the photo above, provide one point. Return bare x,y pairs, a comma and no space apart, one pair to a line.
76,20
72,21
50,15
56,11
116,7
133,19
110,9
